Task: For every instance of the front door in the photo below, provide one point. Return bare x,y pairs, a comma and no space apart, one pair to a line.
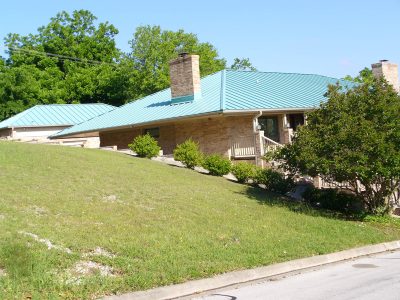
270,127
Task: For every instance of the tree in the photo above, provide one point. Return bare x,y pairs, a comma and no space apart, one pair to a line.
353,137
242,64
70,60
364,76
153,49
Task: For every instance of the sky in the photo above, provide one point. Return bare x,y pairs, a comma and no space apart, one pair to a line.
332,38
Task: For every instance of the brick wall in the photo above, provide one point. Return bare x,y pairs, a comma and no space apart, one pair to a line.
389,71
185,76
214,134
120,138
5,132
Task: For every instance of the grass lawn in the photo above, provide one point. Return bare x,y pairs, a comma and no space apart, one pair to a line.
116,223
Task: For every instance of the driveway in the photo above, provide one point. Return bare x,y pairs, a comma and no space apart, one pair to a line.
368,278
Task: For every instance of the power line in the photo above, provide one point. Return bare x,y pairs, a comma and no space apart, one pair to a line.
60,57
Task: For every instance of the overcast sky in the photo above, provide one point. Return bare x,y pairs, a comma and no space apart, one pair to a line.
332,38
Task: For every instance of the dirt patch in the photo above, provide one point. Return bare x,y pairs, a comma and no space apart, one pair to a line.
87,268
112,199
98,251
2,272
37,210
84,269
47,242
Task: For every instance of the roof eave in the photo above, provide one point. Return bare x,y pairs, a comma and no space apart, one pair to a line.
217,112
270,110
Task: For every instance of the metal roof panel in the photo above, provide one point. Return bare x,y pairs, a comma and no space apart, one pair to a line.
227,90
56,115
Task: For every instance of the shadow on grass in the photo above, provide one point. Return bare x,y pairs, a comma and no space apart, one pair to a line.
265,197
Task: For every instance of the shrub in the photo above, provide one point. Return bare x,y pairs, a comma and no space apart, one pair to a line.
274,181
188,153
333,200
217,165
243,171
353,137
145,146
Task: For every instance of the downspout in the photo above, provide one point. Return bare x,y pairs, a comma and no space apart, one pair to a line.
255,131
255,121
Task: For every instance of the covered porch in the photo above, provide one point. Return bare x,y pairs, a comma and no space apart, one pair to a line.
270,131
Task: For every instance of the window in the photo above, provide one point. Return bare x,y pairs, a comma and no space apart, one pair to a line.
154,132
296,120
270,126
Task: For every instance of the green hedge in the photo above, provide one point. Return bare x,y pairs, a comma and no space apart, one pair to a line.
145,146
217,165
189,154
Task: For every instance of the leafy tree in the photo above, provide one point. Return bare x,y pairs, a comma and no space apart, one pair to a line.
74,59
365,76
242,64
86,67
153,49
353,137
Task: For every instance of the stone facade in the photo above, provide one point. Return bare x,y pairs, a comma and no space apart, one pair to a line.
389,71
185,75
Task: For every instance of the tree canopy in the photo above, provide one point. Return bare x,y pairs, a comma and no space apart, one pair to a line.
243,64
74,59
364,76
353,137
153,48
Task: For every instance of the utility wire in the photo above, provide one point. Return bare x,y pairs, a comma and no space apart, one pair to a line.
60,57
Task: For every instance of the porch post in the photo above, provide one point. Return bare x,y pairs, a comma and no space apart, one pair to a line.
259,148
287,131
318,182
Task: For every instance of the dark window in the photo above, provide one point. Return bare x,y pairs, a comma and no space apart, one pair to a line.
154,132
296,120
270,127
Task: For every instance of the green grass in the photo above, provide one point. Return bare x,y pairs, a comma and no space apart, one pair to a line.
167,225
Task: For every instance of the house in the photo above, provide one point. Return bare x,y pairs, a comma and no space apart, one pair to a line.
239,114
41,121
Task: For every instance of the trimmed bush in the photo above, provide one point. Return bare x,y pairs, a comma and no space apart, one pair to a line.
274,181
333,200
217,165
243,171
145,146
188,153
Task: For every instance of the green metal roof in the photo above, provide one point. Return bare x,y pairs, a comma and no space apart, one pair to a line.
56,115
224,91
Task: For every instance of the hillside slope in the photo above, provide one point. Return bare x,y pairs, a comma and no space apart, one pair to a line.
80,223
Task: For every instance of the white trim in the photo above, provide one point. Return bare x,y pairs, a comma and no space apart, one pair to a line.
278,110
224,112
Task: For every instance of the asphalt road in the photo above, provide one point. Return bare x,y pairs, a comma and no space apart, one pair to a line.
370,278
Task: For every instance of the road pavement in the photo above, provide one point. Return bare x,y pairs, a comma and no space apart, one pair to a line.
375,277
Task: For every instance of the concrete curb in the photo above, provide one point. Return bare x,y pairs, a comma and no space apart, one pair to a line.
238,277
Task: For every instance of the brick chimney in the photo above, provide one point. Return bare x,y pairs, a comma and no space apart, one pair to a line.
389,71
184,73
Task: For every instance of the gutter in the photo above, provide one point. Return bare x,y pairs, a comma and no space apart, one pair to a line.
218,112
272,110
